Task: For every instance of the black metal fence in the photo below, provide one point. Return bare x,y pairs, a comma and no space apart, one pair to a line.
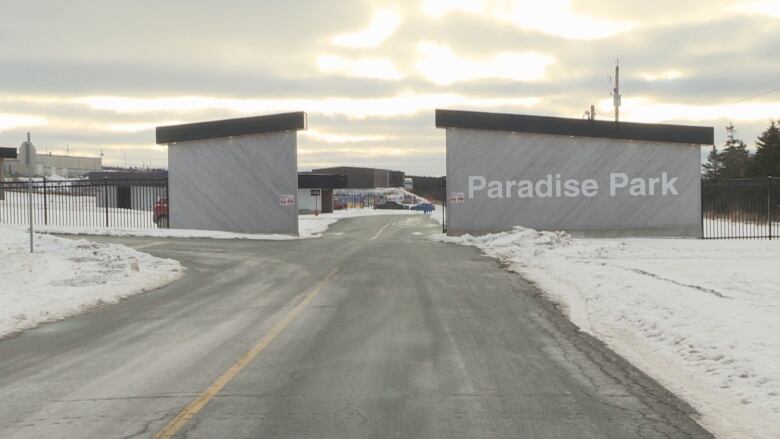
731,209
125,203
741,209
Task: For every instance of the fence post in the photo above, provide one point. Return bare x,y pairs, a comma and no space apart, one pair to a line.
168,199
45,209
444,204
105,197
701,208
769,205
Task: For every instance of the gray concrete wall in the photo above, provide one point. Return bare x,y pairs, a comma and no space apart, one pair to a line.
594,200
234,184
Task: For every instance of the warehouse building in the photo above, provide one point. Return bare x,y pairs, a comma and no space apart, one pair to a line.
366,178
315,191
46,165
129,190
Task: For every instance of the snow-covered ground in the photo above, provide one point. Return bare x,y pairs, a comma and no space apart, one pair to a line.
81,214
702,317
309,226
59,209
725,228
66,277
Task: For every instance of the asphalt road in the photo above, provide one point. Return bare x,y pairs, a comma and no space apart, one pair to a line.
370,331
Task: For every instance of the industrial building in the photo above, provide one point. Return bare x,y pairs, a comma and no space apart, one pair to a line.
46,165
366,178
129,190
315,191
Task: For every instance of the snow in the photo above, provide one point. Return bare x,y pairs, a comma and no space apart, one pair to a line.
700,316
66,277
68,207
725,228
309,226
78,214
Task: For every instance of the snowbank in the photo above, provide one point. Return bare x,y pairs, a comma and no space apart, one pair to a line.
309,226
702,317
65,277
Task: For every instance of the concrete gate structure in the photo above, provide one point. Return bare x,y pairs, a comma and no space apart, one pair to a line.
590,177
237,175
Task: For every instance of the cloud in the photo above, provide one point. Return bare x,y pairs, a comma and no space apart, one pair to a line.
379,68
442,66
393,106
647,110
383,24
554,17
666,75
11,121
440,8
342,138
763,7
101,75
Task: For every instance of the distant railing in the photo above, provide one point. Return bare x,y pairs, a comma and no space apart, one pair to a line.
106,203
741,209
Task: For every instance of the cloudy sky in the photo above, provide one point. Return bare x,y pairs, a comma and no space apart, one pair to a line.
98,76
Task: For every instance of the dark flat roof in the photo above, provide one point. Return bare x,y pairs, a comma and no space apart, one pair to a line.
232,127
310,180
575,127
127,175
353,169
7,153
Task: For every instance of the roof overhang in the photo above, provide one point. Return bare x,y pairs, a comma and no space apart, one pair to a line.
232,127
695,135
8,153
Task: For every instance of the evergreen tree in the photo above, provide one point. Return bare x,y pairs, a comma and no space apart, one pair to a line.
766,161
714,165
735,156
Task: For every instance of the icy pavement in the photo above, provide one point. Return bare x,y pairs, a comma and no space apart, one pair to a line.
66,277
702,317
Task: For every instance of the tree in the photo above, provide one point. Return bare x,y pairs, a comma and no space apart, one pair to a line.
735,156
714,165
766,160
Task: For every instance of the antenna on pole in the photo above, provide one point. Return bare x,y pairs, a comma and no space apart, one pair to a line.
616,91
591,114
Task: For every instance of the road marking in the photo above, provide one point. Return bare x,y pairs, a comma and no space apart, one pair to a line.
381,230
149,244
199,403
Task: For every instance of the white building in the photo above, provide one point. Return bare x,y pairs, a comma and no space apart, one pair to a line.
45,165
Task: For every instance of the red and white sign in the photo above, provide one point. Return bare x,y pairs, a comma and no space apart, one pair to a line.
456,198
287,200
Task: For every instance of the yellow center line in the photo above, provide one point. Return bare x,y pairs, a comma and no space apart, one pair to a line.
197,405
381,230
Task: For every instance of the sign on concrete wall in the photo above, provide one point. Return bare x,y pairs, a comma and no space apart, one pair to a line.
235,175
631,179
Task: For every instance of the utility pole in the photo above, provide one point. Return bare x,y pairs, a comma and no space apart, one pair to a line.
591,115
27,156
616,91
